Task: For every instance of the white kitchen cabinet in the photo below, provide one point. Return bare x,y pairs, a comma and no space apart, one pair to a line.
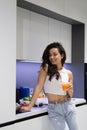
60,31
38,36
9,127
32,35
36,31
43,122
39,123
82,117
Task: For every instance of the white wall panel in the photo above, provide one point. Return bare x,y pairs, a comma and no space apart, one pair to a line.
7,59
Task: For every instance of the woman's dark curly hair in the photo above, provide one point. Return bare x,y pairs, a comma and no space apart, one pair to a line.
52,69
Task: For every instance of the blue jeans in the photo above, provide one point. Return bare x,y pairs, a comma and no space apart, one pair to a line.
61,113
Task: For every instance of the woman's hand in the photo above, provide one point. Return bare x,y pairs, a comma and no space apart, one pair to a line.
24,109
70,90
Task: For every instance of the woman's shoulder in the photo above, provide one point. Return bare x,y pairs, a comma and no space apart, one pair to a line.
68,71
45,69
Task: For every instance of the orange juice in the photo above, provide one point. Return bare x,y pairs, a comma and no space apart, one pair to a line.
65,86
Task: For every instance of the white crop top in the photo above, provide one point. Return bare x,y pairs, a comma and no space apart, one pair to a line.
54,86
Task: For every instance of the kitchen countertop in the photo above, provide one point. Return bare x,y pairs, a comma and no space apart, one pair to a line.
43,109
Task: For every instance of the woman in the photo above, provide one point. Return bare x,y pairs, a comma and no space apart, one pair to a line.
51,75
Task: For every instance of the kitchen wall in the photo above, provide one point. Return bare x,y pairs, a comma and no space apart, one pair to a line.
27,74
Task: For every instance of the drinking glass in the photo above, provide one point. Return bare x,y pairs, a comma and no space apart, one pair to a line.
65,86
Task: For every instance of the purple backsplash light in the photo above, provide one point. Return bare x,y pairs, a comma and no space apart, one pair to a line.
27,74
78,78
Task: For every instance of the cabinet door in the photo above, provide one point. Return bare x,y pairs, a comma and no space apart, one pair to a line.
38,37
61,32
32,34
82,117
40,123
10,127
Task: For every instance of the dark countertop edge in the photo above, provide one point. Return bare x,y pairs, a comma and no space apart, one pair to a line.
85,103
31,117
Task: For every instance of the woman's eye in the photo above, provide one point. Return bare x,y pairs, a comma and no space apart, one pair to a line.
55,54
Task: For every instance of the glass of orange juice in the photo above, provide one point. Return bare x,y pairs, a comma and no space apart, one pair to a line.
65,86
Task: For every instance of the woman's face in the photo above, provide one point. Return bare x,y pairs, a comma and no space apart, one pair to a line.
55,57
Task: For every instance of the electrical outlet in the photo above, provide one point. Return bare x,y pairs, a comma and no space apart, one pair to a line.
31,90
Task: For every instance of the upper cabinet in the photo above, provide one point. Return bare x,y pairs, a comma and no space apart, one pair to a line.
35,32
32,34
37,27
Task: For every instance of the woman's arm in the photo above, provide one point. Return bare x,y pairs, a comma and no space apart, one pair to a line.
70,90
37,90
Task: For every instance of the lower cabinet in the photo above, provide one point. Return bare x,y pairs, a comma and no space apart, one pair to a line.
40,123
10,127
82,117
43,123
